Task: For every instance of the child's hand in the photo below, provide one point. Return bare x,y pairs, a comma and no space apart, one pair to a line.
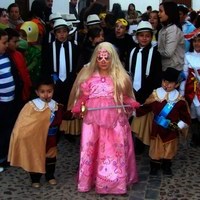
79,109
55,77
135,104
130,101
83,109
173,126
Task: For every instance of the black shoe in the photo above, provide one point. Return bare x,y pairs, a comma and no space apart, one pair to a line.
167,172
193,145
155,167
139,146
5,164
153,172
166,167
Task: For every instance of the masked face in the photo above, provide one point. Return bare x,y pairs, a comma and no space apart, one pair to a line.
103,56
103,61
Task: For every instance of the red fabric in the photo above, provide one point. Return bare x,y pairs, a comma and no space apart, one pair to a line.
191,87
179,112
20,62
51,142
192,34
58,118
40,25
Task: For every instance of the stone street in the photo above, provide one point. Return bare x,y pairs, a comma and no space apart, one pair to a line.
184,185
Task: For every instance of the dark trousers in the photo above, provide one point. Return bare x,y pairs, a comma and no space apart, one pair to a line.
139,146
8,114
50,170
195,131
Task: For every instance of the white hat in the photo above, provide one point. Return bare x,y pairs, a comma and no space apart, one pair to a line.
55,16
144,26
60,23
72,29
92,19
70,18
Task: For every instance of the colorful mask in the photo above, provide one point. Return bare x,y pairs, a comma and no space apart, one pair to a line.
103,55
102,15
31,30
123,21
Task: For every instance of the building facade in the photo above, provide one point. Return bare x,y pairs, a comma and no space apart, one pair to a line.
140,5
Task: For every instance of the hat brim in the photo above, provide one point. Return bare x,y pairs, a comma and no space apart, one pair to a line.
93,23
61,26
73,21
143,30
54,19
73,30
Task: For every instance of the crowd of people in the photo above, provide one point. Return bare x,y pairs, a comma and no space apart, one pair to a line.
85,73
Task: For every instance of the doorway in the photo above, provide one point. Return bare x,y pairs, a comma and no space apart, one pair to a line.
24,8
188,3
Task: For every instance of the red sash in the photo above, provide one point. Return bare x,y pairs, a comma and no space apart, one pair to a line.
192,87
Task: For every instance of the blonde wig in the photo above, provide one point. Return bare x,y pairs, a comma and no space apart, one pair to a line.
121,79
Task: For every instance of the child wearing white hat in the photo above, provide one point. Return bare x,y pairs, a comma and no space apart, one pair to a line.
145,67
144,63
49,36
59,61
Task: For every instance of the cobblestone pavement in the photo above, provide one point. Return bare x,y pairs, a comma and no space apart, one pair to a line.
184,185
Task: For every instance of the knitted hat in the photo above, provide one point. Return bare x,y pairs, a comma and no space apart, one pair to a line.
92,19
54,16
31,30
144,26
171,75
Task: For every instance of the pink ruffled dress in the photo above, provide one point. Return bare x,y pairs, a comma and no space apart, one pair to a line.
107,157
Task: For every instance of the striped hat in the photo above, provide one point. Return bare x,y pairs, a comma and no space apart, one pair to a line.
144,26
92,19
55,16
192,34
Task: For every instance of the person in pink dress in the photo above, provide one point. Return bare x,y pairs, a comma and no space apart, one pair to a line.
104,98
